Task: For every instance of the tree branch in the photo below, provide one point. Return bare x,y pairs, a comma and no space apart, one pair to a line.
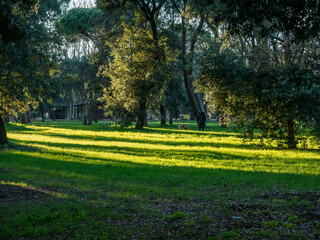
196,33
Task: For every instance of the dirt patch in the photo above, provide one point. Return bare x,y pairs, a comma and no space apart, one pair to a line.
17,194
271,215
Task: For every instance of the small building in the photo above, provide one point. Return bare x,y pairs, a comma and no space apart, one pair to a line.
79,110
75,111
61,111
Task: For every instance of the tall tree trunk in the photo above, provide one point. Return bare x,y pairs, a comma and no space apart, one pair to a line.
42,115
3,133
163,116
28,116
90,113
187,69
200,99
291,132
171,116
141,115
70,113
85,115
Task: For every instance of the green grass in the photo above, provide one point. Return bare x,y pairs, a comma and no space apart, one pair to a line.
65,180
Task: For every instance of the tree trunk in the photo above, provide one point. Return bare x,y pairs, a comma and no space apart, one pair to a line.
141,115
170,116
42,115
291,131
23,118
221,119
145,124
85,115
201,106
90,113
3,133
28,116
163,117
70,113
291,139
187,69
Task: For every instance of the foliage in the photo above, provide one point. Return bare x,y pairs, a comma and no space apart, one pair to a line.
28,61
80,74
136,68
79,22
265,18
263,94
11,18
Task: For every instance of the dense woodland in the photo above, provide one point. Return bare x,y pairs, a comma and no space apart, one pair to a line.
254,63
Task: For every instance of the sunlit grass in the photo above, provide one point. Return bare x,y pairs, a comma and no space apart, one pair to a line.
89,168
167,148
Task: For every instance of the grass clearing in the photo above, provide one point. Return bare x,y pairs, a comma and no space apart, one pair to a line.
104,182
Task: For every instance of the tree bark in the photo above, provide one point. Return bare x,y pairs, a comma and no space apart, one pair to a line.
23,118
145,124
291,132
141,115
28,116
171,116
163,116
85,115
3,133
90,113
42,115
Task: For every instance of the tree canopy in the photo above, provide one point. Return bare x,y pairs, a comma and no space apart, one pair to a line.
254,63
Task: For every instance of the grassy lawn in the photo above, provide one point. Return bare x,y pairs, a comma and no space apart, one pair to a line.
68,181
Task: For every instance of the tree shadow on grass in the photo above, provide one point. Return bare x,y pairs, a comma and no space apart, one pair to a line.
138,178
152,129
22,128
174,154
155,142
121,192
214,157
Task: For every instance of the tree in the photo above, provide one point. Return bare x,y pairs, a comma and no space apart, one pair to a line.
271,68
91,28
174,94
134,70
26,56
262,92
150,11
